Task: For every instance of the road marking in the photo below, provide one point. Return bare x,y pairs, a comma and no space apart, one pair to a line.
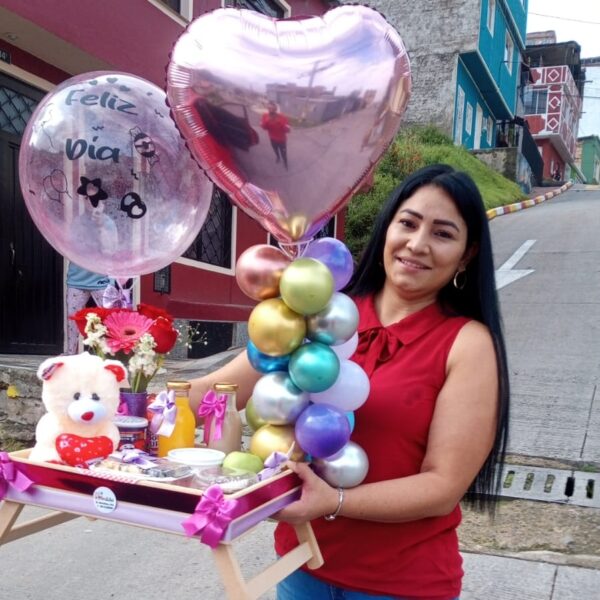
506,274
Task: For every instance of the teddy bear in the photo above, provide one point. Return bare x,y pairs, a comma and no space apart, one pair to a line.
81,396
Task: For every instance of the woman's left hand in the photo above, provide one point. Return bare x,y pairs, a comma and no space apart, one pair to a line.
318,498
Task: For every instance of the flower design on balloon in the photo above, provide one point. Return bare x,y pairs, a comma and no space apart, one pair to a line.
92,189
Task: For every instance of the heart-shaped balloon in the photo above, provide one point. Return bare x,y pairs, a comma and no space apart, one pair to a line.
78,451
289,116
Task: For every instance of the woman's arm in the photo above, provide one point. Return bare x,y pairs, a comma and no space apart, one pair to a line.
239,370
460,438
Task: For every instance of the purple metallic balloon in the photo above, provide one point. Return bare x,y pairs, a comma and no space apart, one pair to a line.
322,430
334,255
289,116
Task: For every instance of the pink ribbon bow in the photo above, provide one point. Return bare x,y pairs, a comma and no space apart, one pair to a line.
11,476
165,411
211,516
212,408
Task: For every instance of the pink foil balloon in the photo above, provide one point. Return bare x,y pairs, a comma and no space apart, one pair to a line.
337,86
258,271
107,178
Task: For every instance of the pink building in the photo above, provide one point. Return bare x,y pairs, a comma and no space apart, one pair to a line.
45,42
553,105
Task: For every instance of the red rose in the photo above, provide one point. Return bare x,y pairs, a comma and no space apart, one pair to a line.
80,316
164,335
152,312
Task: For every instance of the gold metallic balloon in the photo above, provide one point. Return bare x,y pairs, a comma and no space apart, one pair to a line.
258,271
274,328
275,438
253,420
306,286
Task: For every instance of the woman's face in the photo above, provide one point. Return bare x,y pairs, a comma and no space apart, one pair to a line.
425,244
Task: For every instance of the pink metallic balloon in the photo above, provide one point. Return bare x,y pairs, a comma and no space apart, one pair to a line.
107,178
258,271
289,116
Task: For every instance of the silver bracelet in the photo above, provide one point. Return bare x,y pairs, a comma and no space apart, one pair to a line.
333,515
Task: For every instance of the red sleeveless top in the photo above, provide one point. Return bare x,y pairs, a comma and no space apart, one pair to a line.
406,364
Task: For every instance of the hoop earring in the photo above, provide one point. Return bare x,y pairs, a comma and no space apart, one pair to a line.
458,284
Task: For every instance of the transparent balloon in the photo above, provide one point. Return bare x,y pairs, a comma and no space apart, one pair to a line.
290,117
107,177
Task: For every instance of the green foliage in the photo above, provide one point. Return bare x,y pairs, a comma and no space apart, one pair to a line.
413,148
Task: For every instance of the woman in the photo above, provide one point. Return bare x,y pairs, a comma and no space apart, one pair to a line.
435,423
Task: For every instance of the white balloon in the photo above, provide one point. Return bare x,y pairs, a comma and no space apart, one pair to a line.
350,390
277,400
347,468
347,349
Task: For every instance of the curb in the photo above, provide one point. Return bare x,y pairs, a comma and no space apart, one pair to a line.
511,208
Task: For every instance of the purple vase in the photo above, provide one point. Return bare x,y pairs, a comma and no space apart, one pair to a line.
135,402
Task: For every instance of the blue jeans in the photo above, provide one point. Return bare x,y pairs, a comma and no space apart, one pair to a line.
302,586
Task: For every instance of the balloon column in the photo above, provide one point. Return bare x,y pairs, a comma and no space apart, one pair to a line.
107,178
301,337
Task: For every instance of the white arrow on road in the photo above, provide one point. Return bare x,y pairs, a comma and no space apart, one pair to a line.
506,275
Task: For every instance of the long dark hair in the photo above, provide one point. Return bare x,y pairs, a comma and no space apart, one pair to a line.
477,300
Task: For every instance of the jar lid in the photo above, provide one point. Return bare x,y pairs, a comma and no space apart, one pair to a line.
225,387
130,422
196,457
229,480
178,385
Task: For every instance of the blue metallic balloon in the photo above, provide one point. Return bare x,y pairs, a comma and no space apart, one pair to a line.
322,430
263,362
351,420
314,367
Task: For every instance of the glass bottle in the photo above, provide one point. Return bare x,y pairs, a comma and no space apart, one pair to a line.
184,432
231,429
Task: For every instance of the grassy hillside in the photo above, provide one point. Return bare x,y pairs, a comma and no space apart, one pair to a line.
415,148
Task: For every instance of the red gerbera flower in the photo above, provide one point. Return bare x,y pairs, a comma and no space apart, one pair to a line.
124,329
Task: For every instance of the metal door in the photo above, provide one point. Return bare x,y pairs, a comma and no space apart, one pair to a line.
31,271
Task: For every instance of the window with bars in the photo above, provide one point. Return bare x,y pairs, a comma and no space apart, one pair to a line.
15,110
213,243
266,7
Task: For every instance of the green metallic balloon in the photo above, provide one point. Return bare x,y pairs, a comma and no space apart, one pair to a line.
253,420
314,367
306,286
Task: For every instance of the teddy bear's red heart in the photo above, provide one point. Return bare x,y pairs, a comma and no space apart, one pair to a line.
78,451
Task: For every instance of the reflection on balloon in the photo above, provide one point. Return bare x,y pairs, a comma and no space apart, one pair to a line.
322,430
306,286
107,177
264,363
336,323
348,468
351,420
335,255
258,271
275,438
216,83
347,349
252,419
274,328
277,400
350,390
314,367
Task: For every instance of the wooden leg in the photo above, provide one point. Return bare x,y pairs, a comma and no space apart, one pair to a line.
9,512
238,589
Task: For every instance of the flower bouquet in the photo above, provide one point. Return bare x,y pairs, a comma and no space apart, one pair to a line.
140,338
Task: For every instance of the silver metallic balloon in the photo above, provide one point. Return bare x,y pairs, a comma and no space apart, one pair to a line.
289,116
336,323
348,468
277,400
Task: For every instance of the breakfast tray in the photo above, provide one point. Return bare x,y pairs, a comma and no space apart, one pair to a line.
72,492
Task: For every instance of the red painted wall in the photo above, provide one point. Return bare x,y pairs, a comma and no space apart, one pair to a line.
34,65
550,157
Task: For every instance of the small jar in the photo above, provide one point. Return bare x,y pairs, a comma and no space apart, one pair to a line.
132,431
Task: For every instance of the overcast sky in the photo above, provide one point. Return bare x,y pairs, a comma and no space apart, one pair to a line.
577,20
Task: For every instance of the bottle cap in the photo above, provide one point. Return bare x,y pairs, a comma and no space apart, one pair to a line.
178,385
226,387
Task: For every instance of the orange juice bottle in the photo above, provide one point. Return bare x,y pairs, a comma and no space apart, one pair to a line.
184,432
